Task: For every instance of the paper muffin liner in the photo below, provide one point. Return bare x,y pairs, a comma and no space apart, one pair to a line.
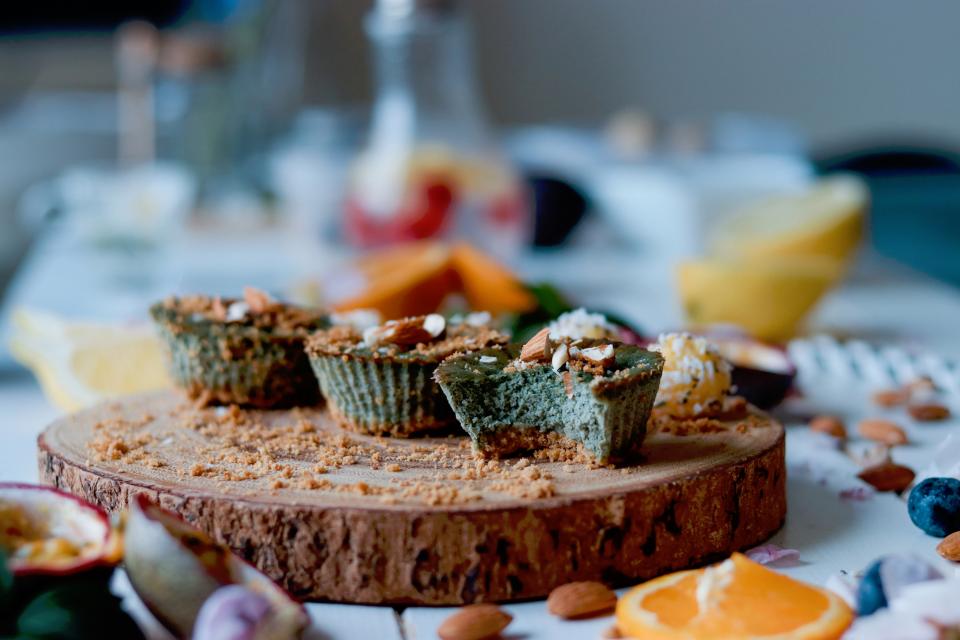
380,397
618,413
223,363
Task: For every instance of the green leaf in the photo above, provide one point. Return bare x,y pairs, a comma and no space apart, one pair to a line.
78,611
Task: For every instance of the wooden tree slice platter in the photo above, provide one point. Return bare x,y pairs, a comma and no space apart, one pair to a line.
348,518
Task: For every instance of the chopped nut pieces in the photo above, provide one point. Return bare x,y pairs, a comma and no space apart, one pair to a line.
258,301
949,547
568,383
581,599
406,331
891,397
560,357
883,431
888,476
928,412
537,348
831,425
601,355
474,622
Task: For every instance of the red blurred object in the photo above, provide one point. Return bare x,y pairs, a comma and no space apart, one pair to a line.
425,213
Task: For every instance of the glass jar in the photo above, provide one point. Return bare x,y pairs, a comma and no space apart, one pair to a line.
430,168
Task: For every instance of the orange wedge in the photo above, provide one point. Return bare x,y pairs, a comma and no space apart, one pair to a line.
487,285
737,599
405,281
416,278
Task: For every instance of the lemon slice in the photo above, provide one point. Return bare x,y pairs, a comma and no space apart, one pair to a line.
768,298
825,220
79,364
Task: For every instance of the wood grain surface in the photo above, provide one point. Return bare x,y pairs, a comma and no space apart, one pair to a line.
693,499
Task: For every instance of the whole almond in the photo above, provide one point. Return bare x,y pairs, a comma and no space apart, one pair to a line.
831,425
891,397
537,348
928,412
581,599
949,547
884,431
404,332
888,476
474,622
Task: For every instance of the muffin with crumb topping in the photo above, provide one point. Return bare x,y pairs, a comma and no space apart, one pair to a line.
591,396
245,351
380,381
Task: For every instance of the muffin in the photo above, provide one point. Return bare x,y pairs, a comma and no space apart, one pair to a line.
380,381
247,352
590,395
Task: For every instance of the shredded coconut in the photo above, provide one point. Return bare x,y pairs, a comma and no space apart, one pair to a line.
580,323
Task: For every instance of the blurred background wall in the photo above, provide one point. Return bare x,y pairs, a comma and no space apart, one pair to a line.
860,72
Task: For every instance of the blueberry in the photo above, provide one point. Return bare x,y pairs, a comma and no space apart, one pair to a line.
870,595
886,578
934,506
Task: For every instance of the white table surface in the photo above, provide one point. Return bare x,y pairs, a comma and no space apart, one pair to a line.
882,304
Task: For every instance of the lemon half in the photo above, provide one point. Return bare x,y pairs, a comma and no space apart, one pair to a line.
80,364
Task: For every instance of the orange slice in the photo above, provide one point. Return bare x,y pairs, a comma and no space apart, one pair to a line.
487,285
414,279
737,599
405,281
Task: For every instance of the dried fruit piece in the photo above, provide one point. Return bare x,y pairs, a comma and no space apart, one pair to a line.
581,599
888,476
474,622
884,431
891,397
928,412
949,547
537,348
831,425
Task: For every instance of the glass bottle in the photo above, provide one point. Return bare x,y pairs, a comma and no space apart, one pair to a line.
430,168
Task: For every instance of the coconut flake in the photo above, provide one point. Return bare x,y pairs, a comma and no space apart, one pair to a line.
488,359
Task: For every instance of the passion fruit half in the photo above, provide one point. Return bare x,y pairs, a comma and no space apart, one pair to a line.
44,531
175,568
762,373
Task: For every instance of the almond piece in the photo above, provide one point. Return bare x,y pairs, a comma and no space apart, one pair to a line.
581,599
537,348
928,412
602,355
406,332
568,384
891,397
949,547
258,300
888,476
611,633
474,622
883,431
831,425
218,311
